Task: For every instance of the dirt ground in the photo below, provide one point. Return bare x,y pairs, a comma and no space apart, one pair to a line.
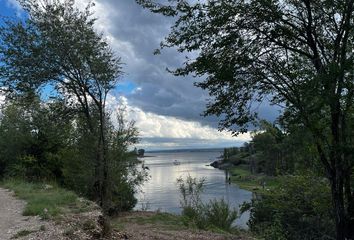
147,231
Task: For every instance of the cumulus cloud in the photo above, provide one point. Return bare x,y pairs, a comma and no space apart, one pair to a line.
171,132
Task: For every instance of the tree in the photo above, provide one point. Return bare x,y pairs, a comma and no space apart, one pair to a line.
299,209
141,152
32,134
298,53
122,164
57,46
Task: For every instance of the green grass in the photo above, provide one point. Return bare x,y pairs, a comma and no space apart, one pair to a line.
253,182
42,199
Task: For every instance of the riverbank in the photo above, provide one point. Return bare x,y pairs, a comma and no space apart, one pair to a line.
258,183
241,175
47,211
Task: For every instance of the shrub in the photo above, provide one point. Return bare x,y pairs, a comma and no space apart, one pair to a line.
215,214
299,209
219,214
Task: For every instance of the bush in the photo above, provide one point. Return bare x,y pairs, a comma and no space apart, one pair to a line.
215,214
123,198
299,209
195,217
219,214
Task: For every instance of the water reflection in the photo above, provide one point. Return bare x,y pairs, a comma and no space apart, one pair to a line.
161,191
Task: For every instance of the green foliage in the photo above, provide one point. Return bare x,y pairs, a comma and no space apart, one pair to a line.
190,190
273,151
216,214
61,151
31,136
219,214
299,209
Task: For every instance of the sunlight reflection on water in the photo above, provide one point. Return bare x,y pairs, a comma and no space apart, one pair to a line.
161,191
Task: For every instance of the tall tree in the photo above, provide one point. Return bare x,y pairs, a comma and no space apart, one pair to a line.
57,45
299,53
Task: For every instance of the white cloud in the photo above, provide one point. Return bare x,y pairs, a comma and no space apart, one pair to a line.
153,126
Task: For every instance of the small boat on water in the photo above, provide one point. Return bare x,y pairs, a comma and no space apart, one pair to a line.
176,162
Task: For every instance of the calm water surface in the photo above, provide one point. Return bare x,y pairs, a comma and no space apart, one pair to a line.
160,192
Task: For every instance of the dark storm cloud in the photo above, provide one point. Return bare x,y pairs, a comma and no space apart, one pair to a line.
161,92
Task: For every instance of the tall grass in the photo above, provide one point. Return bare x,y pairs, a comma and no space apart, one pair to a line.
214,214
219,214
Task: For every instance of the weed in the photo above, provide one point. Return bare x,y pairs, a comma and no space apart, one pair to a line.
22,233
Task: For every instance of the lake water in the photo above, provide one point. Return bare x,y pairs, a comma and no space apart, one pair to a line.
160,192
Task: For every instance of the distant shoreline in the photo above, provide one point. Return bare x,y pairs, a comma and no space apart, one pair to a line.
187,150
146,156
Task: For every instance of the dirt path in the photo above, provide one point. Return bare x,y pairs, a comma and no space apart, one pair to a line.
14,224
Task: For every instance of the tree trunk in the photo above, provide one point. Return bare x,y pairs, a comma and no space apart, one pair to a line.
340,170
349,231
342,198
338,206
105,194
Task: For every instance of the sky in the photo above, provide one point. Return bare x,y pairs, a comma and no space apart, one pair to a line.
167,109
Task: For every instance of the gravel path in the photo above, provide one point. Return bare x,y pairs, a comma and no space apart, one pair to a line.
11,219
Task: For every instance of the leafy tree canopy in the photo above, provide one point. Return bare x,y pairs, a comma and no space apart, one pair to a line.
299,53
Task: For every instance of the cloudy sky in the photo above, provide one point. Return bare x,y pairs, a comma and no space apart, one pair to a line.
167,109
